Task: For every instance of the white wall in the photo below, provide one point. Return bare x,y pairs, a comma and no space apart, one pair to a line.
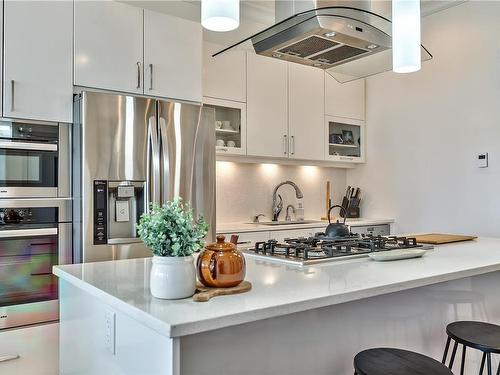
424,129
246,189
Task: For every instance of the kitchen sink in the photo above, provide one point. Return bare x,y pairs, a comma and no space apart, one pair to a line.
294,222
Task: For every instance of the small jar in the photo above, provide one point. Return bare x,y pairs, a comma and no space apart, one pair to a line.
221,265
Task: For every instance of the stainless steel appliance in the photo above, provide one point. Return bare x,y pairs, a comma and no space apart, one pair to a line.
131,151
320,248
34,159
349,40
35,234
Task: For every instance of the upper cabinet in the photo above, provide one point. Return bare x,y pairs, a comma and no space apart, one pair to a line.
224,76
37,71
306,98
109,46
172,57
345,99
267,107
125,48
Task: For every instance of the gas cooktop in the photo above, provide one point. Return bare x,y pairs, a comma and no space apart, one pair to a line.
320,248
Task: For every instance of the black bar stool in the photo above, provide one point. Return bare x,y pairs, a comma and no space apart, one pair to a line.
388,361
476,335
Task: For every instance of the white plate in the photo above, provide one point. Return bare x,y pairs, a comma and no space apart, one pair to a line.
383,256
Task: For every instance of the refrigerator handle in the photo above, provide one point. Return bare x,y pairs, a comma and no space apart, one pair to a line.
165,160
153,160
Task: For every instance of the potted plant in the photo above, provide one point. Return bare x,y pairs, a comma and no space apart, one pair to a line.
174,235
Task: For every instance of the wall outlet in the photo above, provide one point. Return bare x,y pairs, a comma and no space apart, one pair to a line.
109,331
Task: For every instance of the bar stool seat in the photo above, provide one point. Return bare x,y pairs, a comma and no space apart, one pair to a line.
476,335
389,361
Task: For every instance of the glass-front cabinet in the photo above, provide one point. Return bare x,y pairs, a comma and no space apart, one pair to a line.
345,140
230,126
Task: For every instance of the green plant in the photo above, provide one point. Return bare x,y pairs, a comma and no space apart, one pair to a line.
171,230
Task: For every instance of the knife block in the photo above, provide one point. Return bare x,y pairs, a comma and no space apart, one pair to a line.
352,212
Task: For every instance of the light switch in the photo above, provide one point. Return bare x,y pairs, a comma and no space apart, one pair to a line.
482,160
122,211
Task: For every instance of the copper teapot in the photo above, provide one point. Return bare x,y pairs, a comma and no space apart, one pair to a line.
221,265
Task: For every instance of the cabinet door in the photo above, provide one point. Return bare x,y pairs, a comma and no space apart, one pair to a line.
108,46
306,109
37,60
267,106
172,57
345,99
224,76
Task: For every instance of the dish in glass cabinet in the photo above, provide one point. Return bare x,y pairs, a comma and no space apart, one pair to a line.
384,256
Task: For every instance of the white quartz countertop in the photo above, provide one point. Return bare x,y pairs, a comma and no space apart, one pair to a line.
278,289
250,227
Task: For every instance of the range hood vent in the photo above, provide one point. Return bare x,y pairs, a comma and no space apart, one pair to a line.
348,43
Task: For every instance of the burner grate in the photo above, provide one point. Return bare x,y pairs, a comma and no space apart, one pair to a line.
319,247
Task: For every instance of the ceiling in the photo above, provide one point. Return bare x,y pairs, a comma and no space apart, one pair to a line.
256,15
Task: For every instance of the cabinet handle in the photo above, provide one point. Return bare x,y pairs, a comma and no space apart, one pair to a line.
151,76
138,75
292,145
285,144
12,95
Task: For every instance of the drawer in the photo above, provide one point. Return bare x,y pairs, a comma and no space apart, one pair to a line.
248,239
377,230
281,235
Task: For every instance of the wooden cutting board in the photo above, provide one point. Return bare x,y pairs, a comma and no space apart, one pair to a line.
440,238
204,293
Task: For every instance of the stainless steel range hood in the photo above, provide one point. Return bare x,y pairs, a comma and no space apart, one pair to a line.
347,42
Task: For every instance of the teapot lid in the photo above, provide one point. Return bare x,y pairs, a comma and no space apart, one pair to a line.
221,244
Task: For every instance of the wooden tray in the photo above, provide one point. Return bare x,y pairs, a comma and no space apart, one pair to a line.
204,293
440,238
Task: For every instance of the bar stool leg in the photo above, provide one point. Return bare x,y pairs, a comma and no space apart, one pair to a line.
446,348
452,359
462,366
488,359
483,360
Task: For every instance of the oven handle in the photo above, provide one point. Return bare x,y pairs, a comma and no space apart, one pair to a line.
28,146
28,232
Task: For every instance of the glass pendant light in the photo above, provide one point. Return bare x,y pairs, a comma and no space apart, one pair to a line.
406,54
220,15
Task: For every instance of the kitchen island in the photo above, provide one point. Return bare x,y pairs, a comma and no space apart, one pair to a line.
295,320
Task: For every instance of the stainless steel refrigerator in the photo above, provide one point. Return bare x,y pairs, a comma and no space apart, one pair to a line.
128,152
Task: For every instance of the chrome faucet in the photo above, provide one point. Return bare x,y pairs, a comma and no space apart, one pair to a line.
278,205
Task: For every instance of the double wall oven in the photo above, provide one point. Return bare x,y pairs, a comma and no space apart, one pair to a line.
35,219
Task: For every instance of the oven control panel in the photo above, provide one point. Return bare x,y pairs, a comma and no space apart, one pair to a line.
100,212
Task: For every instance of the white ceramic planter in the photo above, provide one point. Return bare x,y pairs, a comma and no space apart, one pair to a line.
173,277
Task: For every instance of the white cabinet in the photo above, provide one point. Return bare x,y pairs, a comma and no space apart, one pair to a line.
345,99
306,98
108,46
172,57
224,76
230,126
345,140
267,106
37,71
